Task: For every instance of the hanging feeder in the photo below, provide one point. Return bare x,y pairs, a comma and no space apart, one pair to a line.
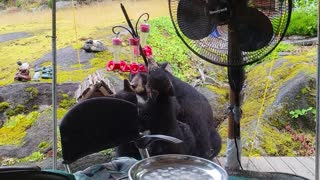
134,44
144,33
114,64
135,48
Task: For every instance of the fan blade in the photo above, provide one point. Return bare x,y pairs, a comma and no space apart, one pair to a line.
254,29
194,20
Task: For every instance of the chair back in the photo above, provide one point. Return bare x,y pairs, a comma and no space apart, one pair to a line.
97,124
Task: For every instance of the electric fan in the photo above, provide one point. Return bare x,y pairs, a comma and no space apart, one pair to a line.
231,33
209,28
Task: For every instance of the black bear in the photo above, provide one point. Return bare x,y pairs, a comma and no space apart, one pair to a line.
138,83
193,109
159,115
127,93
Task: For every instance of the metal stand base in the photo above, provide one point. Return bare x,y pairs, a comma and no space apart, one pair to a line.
231,161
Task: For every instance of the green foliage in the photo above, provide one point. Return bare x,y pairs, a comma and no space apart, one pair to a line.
168,47
35,107
302,112
61,112
8,161
17,110
33,92
66,103
107,151
14,129
285,47
4,106
304,3
50,3
43,145
35,156
303,22
277,143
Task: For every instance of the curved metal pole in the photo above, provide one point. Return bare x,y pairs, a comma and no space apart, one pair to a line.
139,20
116,32
135,35
317,103
54,86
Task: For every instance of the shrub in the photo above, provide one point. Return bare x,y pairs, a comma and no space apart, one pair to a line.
4,106
303,22
19,109
35,156
50,3
66,103
33,92
43,145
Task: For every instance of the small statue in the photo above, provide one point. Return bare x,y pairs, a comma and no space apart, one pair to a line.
91,45
23,73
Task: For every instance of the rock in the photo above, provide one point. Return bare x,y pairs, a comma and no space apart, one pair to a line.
40,131
13,36
20,95
42,7
295,37
303,41
284,53
80,164
218,104
297,93
65,57
2,7
65,4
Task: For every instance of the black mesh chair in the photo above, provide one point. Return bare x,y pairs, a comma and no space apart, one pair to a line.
97,124
101,123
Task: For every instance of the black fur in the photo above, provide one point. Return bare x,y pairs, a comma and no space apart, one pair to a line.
194,110
138,82
129,149
159,113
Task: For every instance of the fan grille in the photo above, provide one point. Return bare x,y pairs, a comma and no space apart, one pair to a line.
214,48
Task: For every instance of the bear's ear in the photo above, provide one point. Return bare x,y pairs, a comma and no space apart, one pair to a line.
163,65
126,86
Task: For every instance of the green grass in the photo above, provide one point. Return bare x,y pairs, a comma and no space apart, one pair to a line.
90,21
168,47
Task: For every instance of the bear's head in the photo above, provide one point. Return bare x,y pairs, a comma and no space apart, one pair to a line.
159,83
127,93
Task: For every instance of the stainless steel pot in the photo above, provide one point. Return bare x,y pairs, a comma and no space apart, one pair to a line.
176,167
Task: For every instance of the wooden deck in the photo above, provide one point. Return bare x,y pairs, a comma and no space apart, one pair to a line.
302,166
